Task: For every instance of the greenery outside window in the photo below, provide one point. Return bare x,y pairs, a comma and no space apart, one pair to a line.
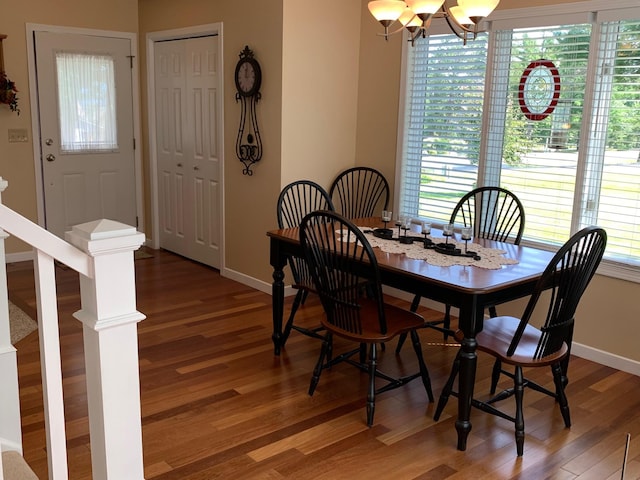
464,125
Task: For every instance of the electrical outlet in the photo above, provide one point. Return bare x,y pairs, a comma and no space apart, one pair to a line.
18,135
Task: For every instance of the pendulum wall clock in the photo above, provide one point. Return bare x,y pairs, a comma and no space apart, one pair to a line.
248,78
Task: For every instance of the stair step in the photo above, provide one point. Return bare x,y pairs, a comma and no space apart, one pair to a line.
15,468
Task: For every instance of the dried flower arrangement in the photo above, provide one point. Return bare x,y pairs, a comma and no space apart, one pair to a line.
8,93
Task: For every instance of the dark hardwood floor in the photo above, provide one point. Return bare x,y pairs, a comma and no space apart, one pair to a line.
216,402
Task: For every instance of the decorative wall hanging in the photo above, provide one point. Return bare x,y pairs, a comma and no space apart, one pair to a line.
248,79
8,90
539,89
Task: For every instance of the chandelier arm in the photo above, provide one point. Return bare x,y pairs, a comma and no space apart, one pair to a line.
462,35
449,17
388,34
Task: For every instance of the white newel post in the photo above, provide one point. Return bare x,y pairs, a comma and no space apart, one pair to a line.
110,320
10,426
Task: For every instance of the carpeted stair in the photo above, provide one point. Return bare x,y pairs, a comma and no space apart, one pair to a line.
15,468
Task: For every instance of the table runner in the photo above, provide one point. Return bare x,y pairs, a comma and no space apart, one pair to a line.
490,258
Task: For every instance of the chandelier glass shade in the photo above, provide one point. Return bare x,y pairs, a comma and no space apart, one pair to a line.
415,16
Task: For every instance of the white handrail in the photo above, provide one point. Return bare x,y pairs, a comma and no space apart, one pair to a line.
102,253
45,241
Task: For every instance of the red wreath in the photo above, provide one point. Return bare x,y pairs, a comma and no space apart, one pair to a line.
556,89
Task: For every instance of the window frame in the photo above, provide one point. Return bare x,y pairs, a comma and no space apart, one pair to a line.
595,12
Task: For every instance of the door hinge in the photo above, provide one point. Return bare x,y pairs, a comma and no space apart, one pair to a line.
131,57
137,222
134,143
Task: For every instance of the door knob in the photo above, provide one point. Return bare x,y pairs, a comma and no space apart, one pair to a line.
49,141
50,158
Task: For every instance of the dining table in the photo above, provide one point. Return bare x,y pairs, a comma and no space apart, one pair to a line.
464,283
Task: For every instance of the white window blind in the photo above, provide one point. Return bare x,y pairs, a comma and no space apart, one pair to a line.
611,196
576,165
538,158
443,119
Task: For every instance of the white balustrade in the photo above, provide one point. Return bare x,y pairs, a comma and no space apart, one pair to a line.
102,253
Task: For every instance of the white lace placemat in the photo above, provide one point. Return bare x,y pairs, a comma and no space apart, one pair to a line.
490,258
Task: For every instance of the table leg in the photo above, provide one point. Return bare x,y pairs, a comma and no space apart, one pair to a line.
278,261
277,301
466,376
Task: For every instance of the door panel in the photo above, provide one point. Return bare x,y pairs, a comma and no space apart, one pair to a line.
92,179
188,150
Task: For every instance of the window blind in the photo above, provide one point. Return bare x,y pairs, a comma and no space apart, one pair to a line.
611,195
538,158
465,124
442,124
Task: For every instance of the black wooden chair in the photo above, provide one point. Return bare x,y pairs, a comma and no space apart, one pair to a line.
516,342
295,201
494,213
346,277
360,192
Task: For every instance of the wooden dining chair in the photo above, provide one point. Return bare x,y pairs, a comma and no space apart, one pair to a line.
360,192
347,278
519,344
294,202
494,213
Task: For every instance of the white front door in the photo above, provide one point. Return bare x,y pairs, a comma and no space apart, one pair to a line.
187,97
86,123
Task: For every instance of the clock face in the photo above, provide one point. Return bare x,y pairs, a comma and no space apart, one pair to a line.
248,77
539,89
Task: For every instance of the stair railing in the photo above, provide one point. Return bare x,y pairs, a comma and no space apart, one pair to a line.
102,254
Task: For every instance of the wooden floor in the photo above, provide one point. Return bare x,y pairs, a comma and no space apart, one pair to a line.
217,403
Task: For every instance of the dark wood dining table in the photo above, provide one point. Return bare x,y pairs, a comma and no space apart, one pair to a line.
470,289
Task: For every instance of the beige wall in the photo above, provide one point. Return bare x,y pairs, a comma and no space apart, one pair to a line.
249,200
16,159
320,78
341,85
607,318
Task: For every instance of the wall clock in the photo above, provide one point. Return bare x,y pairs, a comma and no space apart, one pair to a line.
539,89
248,78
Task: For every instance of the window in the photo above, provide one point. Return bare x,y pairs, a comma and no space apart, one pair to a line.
549,109
87,102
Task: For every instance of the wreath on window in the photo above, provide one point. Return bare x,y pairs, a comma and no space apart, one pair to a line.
8,93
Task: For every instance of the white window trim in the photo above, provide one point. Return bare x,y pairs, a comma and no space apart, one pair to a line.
522,17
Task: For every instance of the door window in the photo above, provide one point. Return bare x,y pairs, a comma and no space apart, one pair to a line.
86,96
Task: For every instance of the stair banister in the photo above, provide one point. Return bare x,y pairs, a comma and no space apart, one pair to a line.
109,319
10,426
102,252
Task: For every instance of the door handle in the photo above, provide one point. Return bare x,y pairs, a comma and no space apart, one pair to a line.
51,157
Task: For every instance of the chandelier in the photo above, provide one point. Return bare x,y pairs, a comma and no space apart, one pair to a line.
416,15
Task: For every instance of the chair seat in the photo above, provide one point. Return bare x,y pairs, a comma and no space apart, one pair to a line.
497,335
398,320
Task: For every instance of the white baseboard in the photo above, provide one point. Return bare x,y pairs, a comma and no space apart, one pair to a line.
253,282
605,358
579,350
582,351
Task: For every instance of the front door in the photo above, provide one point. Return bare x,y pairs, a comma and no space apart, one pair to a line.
187,105
87,135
